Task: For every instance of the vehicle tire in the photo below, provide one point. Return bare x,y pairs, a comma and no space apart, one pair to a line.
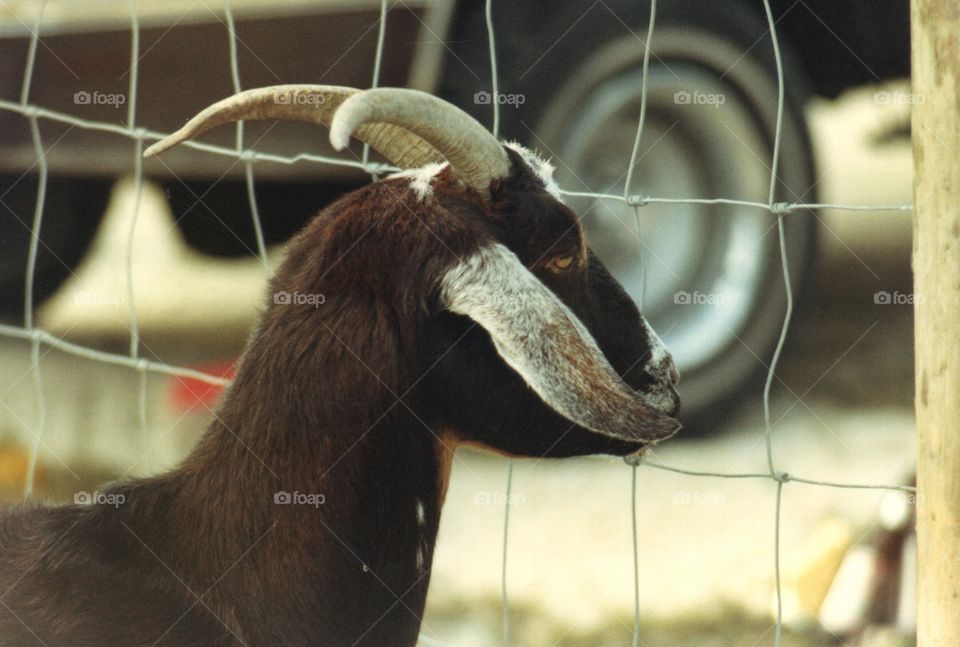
707,277
73,209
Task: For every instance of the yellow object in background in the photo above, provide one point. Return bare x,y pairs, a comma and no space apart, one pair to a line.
14,461
809,572
53,482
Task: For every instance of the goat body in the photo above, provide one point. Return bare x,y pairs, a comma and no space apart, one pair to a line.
308,512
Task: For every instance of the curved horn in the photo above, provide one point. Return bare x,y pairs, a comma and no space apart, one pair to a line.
474,153
544,341
310,103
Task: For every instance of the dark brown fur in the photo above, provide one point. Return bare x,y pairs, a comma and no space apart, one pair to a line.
347,400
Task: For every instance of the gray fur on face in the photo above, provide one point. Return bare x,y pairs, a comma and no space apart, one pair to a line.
544,341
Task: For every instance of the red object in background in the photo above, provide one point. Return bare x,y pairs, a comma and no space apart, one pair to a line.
187,393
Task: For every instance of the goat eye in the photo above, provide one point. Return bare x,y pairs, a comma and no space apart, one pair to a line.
562,262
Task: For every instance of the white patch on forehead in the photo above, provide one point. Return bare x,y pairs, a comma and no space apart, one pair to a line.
541,168
421,179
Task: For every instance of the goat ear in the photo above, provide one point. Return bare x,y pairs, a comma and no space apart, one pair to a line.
544,341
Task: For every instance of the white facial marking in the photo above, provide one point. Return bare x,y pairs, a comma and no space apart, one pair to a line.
423,543
660,365
660,398
420,560
493,288
538,336
421,179
421,513
542,168
658,351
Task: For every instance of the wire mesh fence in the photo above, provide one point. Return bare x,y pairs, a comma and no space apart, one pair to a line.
40,339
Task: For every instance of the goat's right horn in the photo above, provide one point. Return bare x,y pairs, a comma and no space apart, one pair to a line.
475,155
310,103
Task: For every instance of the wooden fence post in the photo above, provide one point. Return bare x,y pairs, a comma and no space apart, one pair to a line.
936,264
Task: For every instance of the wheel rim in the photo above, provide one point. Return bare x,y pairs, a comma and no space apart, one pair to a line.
700,257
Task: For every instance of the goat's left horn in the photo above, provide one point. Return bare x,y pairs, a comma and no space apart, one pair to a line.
475,155
311,103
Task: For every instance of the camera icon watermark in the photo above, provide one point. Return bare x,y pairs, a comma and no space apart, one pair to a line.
498,498
484,98
695,298
685,98
93,298
97,98
884,298
112,499
300,99
885,97
283,497
698,498
282,297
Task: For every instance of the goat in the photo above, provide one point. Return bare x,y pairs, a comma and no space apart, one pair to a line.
460,305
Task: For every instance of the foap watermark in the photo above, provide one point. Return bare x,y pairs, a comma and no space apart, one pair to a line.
902,498
93,298
698,498
299,498
300,99
113,499
885,97
498,498
897,508
895,298
684,98
484,98
97,98
282,297
695,298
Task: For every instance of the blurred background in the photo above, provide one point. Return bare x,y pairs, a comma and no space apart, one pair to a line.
706,275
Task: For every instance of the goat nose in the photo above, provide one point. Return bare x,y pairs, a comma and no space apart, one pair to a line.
673,373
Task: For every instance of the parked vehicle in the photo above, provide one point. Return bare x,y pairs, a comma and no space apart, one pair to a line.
570,78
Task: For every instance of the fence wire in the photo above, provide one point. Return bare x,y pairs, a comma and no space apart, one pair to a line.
249,156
